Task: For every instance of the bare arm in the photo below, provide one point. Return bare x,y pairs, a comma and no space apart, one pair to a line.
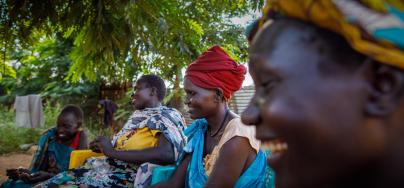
162,154
83,144
234,157
178,178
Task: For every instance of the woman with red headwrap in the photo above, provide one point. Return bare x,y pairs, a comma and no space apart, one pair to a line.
221,151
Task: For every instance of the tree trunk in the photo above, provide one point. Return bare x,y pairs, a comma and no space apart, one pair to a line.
177,101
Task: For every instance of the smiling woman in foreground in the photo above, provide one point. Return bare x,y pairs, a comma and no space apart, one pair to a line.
332,91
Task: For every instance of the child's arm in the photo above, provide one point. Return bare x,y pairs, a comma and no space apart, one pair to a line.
83,143
38,177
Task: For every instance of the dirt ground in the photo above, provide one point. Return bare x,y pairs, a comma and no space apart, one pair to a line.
13,160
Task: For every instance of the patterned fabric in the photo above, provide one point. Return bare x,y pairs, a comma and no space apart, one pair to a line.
96,172
168,120
108,172
255,176
372,27
138,139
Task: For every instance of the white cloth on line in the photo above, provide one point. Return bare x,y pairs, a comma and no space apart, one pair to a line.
29,112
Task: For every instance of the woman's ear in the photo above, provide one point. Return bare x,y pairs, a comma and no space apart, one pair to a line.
386,90
78,124
219,95
153,91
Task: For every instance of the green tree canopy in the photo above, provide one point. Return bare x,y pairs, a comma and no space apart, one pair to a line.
117,38
42,69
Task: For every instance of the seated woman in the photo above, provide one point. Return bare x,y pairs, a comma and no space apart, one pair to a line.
221,151
54,149
152,136
329,80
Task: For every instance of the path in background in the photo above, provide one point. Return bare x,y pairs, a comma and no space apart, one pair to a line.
13,161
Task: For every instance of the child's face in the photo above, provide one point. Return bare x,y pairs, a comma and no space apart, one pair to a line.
67,126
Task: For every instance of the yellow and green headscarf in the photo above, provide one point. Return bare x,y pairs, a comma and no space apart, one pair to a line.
372,27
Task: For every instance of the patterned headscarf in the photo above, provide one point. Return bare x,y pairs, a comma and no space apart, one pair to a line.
372,27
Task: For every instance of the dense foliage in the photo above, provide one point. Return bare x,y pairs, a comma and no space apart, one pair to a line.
42,69
116,39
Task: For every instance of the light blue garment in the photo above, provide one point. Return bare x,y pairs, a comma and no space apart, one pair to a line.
51,156
256,174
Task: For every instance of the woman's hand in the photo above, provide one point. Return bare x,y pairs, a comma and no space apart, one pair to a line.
94,147
104,145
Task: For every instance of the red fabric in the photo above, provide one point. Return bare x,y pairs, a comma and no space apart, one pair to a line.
76,140
216,69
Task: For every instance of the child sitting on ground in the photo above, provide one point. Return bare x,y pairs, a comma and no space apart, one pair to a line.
54,148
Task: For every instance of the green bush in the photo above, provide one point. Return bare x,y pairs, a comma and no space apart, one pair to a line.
11,137
51,114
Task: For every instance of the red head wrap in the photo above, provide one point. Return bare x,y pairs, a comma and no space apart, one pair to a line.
215,69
